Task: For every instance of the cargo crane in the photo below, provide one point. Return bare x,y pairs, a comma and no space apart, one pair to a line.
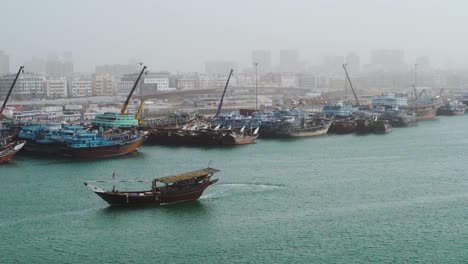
21,69
415,93
422,92
122,119
224,92
442,92
139,112
350,84
124,107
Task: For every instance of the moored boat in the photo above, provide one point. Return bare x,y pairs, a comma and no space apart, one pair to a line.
93,145
241,138
343,125
339,108
424,108
171,189
399,118
200,134
8,153
464,98
114,120
450,108
47,139
123,119
382,126
297,124
311,128
366,125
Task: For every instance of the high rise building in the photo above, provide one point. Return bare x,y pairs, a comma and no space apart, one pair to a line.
104,85
188,82
423,63
263,58
220,67
289,60
125,85
353,62
307,80
155,82
28,85
81,87
388,60
57,67
333,64
67,62
35,65
116,70
4,63
57,88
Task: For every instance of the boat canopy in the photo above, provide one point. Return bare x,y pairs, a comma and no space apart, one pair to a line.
187,175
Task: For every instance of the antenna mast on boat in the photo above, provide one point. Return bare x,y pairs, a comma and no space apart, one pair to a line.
222,97
416,75
21,69
350,84
113,181
124,107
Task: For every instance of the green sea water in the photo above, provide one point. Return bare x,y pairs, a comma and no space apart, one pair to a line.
395,198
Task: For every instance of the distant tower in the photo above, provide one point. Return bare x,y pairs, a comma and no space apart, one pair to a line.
389,60
424,63
4,63
353,62
68,64
263,60
35,65
289,60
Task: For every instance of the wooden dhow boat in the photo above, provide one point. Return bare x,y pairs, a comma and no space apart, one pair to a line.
183,187
10,151
92,145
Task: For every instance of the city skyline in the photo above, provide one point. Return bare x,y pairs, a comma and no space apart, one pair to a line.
179,35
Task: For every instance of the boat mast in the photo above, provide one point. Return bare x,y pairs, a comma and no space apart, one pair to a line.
222,97
113,181
11,89
350,84
415,75
124,107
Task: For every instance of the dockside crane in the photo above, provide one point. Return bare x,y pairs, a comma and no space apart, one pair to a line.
139,112
422,92
415,93
124,107
350,84
224,92
21,69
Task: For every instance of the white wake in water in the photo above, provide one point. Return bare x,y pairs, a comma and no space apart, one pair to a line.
228,189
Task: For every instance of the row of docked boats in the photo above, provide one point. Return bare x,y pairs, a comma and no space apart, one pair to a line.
106,137
200,133
79,141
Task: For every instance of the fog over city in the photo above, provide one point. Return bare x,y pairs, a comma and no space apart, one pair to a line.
182,35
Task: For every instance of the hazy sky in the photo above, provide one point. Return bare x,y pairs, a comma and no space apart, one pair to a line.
178,35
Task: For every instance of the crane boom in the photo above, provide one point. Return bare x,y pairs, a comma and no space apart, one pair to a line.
124,107
11,89
422,92
350,84
415,92
222,97
140,110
